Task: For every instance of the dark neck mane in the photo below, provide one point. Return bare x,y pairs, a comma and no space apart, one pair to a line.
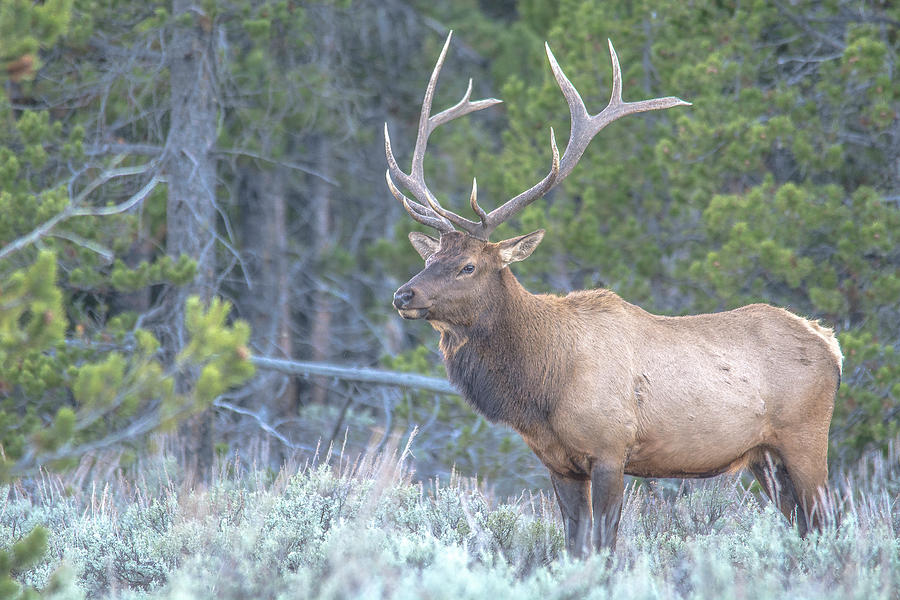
503,362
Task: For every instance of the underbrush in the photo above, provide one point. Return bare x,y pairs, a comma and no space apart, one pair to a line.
332,528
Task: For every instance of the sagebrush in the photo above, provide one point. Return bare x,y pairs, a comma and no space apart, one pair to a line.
333,528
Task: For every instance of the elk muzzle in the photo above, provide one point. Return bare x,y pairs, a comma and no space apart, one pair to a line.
410,304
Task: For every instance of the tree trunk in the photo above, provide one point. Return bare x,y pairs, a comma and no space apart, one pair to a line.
320,336
267,305
287,401
191,170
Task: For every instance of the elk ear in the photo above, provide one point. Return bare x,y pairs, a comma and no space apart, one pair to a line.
519,248
425,245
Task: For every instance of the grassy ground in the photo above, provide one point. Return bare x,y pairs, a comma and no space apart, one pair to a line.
339,529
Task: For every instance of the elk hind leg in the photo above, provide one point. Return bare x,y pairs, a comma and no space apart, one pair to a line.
772,475
807,467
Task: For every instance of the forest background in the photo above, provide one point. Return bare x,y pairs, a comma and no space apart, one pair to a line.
186,186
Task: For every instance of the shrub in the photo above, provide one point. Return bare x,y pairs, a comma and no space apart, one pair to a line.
369,531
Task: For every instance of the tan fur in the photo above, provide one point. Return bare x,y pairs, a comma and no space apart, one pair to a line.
598,387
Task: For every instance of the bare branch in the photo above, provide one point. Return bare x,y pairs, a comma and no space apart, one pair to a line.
111,174
91,245
122,148
146,423
73,210
290,165
378,376
105,211
219,403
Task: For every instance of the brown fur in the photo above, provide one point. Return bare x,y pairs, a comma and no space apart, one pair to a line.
598,387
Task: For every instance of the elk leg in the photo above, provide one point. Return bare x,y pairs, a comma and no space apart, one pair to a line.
607,488
572,495
773,477
808,469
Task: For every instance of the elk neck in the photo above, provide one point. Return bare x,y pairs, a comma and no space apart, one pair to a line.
507,362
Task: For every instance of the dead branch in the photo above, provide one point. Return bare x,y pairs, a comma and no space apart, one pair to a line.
378,376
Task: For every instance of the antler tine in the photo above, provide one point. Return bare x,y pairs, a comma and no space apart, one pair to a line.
428,207
583,128
473,202
461,222
506,210
424,117
463,107
416,210
615,95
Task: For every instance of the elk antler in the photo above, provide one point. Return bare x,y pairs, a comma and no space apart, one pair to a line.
584,127
428,211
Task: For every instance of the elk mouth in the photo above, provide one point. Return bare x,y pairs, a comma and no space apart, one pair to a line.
413,313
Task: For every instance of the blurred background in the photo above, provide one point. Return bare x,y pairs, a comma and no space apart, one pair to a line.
185,187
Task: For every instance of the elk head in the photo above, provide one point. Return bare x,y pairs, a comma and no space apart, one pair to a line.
461,272
463,267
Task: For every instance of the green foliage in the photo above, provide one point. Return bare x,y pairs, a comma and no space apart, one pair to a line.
822,253
25,28
68,373
128,279
792,216
23,555
219,349
56,400
31,314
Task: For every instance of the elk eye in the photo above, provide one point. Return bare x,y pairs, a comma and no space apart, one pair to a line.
467,270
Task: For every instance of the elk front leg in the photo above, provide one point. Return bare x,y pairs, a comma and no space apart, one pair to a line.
607,488
573,496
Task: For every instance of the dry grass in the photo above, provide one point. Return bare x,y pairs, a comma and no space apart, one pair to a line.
336,526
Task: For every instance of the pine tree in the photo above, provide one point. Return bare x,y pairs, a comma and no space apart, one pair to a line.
78,373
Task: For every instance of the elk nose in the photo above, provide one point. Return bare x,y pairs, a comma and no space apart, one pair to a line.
403,297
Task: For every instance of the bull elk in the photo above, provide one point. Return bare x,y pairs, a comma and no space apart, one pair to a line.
597,387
